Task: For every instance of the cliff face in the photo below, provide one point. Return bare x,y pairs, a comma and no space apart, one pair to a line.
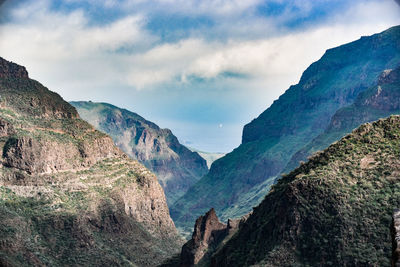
334,210
239,180
209,235
68,196
176,167
378,101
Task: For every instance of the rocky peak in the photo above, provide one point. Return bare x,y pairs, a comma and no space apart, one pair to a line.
206,226
208,231
71,183
10,69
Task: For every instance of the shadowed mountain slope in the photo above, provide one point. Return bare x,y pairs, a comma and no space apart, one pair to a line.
379,101
334,210
68,195
241,179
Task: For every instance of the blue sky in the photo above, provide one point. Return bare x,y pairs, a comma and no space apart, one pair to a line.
201,68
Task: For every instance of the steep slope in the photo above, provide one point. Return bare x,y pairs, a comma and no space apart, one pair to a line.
68,196
297,117
334,210
176,167
379,101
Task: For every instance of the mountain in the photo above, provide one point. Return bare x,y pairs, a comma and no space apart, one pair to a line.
379,101
240,180
68,195
176,167
334,210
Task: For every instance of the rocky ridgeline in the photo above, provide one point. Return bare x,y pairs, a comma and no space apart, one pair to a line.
12,70
68,195
271,142
176,167
334,210
378,101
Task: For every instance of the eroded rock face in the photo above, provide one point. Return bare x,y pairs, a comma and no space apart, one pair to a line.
6,128
208,231
176,167
68,195
46,156
9,69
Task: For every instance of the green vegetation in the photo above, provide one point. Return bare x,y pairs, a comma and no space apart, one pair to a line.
378,101
176,167
68,196
295,119
334,210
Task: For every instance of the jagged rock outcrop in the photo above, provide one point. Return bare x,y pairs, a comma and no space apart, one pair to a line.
395,231
176,167
209,233
12,70
6,128
239,181
68,195
334,210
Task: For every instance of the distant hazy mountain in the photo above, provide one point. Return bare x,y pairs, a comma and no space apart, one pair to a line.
208,156
240,180
334,210
68,195
176,167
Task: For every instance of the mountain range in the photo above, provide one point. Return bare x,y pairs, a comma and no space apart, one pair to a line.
300,122
69,196
315,181
176,167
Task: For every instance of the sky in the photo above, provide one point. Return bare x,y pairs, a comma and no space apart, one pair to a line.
202,68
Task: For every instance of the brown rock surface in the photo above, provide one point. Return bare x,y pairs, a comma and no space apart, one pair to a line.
68,195
176,167
9,69
208,231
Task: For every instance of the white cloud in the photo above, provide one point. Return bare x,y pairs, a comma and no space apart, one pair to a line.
51,40
75,57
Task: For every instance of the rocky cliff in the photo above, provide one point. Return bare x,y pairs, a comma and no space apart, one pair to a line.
240,180
334,210
176,167
68,195
209,235
378,101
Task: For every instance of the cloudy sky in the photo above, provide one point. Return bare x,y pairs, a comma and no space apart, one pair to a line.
202,68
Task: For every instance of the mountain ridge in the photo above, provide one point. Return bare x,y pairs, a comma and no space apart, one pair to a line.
291,122
334,210
68,195
176,167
